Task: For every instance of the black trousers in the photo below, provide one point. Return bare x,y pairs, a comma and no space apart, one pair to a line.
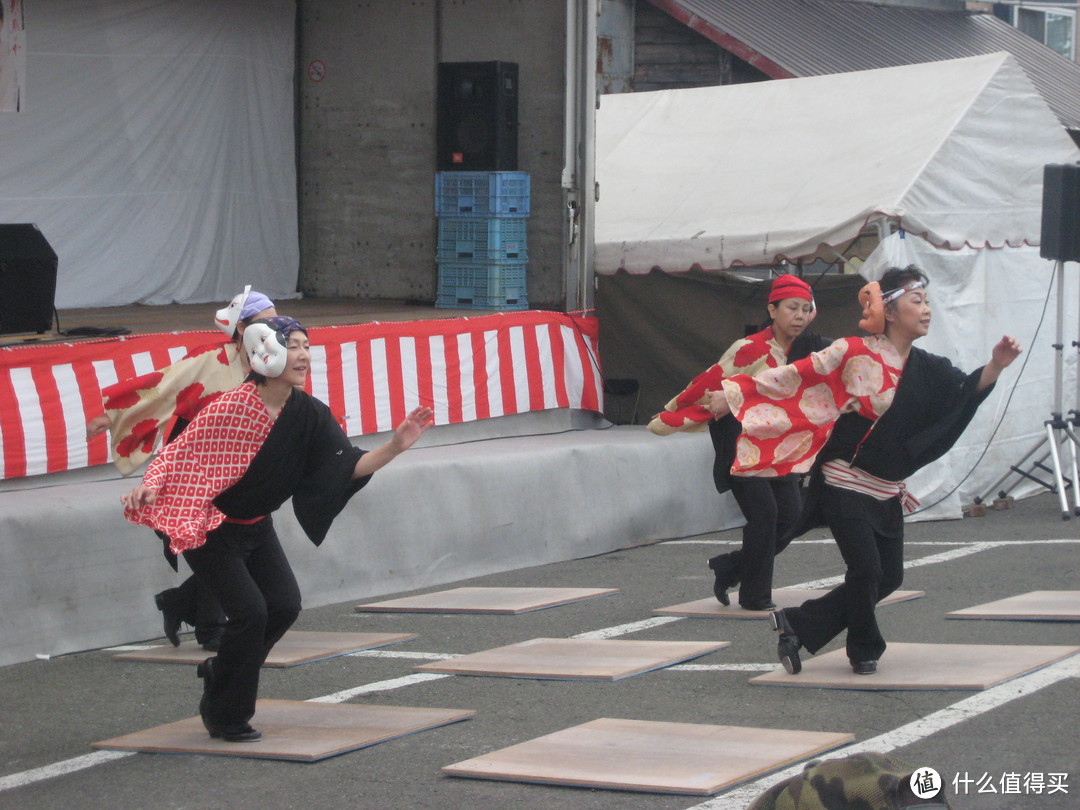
245,568
771,507
870,535
198,607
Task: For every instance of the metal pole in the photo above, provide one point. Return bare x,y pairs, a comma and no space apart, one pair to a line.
588,197
1056,421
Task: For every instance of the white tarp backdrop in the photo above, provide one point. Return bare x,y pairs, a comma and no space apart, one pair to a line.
155,148
953,152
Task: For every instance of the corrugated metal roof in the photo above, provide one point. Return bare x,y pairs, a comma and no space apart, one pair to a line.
794,38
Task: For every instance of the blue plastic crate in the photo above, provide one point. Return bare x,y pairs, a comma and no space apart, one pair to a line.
482,239
486,285
482,194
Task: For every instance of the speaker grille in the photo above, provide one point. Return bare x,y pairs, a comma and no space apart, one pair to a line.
1060,237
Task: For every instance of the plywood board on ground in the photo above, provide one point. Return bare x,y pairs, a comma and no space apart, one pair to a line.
923,666
784,598
296,647
1046,606
574,658
486,600
651,756
294,730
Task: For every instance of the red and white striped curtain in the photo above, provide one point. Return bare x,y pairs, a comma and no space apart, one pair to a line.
370,375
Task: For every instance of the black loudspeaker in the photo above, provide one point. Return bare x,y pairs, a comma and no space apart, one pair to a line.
476,121
27,280
1060,238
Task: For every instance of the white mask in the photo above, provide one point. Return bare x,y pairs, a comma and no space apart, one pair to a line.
266,349
226,319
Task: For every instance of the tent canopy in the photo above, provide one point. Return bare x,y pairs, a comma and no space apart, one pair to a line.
752,174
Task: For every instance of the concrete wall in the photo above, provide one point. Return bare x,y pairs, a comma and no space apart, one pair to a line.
74,575
366,100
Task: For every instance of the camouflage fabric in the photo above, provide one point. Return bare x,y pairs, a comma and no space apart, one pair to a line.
858,782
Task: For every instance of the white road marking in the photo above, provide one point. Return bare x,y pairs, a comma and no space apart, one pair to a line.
915,731
626,629
420,656
16,780
379,686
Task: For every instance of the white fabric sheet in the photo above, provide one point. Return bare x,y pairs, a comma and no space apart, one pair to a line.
155,148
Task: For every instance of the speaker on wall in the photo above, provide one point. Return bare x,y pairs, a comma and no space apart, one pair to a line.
27,279
1060,237
476,117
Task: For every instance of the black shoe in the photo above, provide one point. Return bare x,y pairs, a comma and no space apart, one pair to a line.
212,642
727,576
205,670
238,734
868,667
170,617
787,648
764,604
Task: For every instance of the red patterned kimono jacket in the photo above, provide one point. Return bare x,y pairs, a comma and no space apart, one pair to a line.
787,413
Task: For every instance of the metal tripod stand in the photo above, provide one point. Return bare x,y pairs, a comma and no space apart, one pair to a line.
1059,428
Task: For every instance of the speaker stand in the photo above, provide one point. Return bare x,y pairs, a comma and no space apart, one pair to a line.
1058,428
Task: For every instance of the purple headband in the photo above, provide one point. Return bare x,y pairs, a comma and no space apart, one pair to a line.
284,325
255,303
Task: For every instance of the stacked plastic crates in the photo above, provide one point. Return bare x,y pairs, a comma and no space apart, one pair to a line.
482,251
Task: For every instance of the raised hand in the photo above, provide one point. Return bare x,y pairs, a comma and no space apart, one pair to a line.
411,428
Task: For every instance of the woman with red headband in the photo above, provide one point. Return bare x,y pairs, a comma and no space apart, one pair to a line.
876,409
771,506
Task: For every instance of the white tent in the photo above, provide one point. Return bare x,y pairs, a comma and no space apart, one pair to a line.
952,152
750,174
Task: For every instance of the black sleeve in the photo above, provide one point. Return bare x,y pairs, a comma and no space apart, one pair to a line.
327,483
931,444
806,344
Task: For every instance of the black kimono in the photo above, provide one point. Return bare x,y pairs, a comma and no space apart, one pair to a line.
933,404
307,457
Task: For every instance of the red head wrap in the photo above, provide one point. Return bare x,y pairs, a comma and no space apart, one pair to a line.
788,286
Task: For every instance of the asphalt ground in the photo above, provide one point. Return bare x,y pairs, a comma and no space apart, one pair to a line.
51,711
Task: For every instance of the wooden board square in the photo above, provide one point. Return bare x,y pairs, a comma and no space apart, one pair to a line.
1046,606
294,730
574,658
924,666
649,756
784,598
710,608
295,647
486,600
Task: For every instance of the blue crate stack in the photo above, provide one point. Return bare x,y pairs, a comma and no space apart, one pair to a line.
482,251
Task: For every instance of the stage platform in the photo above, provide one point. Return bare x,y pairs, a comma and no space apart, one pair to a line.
520,468
142,320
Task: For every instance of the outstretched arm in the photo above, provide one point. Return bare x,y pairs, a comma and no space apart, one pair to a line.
1006,350
405,436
